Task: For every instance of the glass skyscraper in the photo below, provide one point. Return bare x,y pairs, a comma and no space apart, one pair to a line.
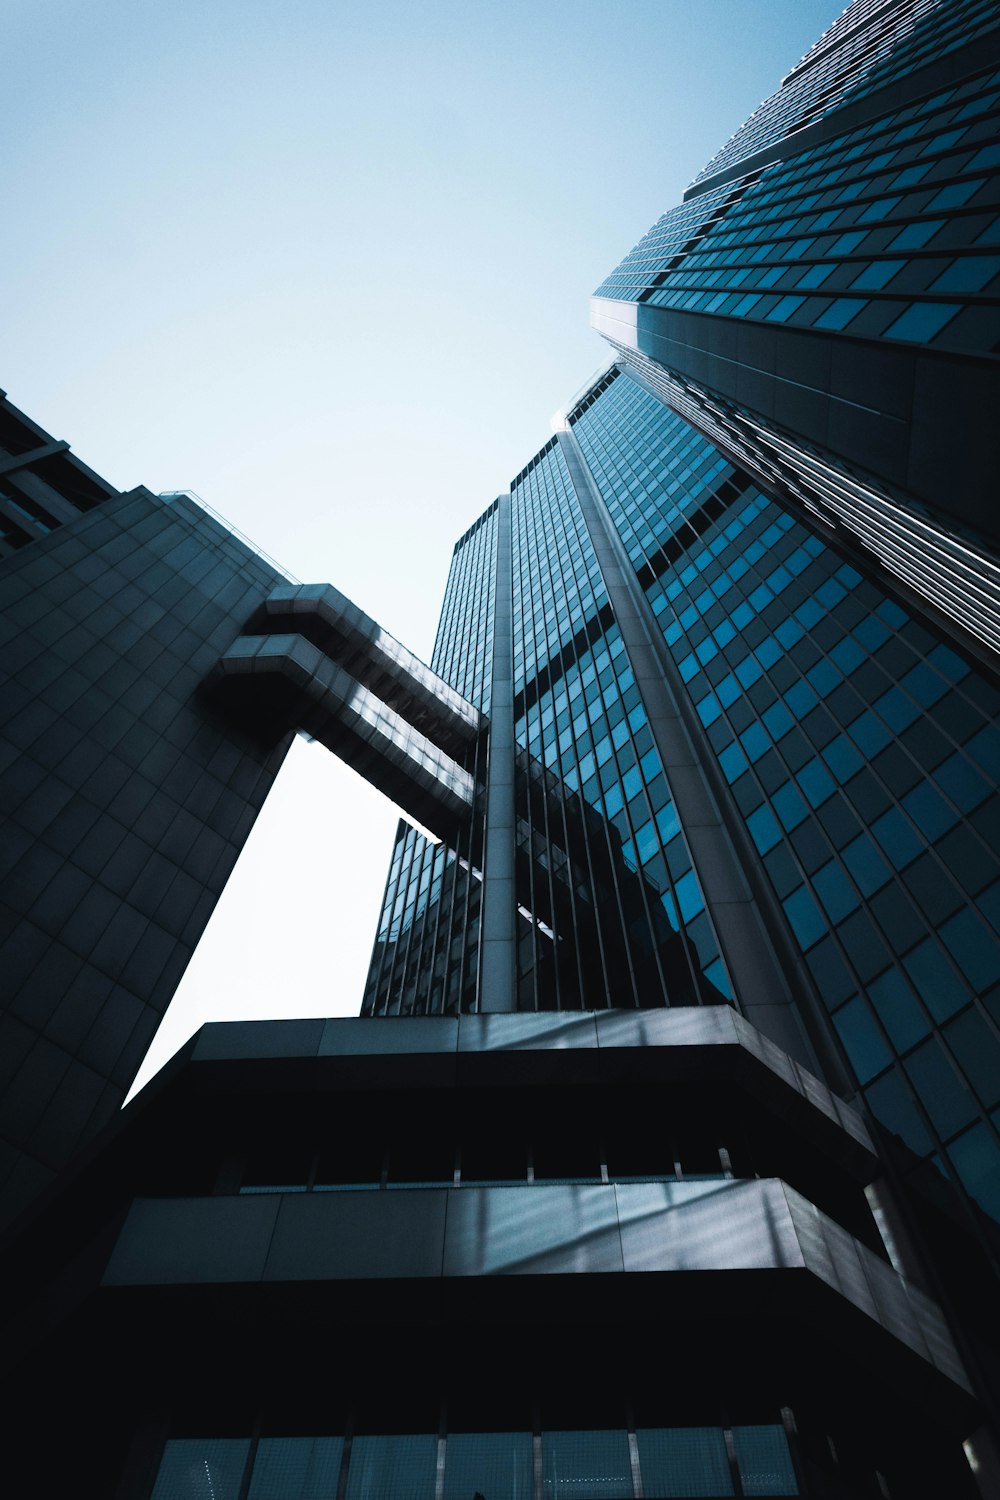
664,1157
814,607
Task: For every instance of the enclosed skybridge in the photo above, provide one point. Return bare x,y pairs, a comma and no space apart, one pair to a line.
311,660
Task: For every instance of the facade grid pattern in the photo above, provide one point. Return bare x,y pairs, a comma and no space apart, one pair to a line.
605,866
890,231
863,755
426,953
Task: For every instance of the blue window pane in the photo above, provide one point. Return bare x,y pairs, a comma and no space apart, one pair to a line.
646,843
688,895
955,194
488,1463
974,1043
898,1010
396,1466
898,840
847,655
866,865
716,974
790,806
947,1100
784,309
974,948
816,781
962,783
842,758
593,1465
764,829
835,891
970,274
949,663
683,1461
896,709
709,709
869,733
840,312
815,276
667,822
922,320
916,235
846,244
808,924
984,748
296,1468
877,275
976,1159
632,782
755,741
733,762
935,981
989,156
201,1469
764,1461
863,1044
778,720
892,1103
929,811
800,698
728,691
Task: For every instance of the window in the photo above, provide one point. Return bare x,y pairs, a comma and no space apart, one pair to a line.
970,274
840,312
922,321
194,1467
686,1461
296,1468
916,235
877,275
590,1465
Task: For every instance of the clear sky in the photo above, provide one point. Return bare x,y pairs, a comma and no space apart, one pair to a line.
327,264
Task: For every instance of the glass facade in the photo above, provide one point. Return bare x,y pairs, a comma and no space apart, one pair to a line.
861,750
426,957
619,915
125,800
611,1464
609,908
887,231
857,745
869,44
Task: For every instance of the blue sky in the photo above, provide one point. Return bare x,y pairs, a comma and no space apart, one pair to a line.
327,264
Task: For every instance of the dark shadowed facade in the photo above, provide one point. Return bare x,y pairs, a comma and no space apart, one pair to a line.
663,1160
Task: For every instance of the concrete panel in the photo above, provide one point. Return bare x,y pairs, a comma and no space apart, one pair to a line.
527,1031
506,1231
180,1240
707,1226
350,1235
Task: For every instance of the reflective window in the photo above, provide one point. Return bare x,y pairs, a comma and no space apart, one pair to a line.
922,320
764,1461
396,1466
595,1465
688,1461
296,1468
877,275
839,313
202,1469
489,1463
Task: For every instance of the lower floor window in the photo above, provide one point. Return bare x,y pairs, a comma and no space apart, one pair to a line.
557,1465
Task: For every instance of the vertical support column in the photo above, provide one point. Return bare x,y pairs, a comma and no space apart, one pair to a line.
763,983
498,939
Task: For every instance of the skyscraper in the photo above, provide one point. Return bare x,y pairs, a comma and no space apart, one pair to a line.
671,1117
